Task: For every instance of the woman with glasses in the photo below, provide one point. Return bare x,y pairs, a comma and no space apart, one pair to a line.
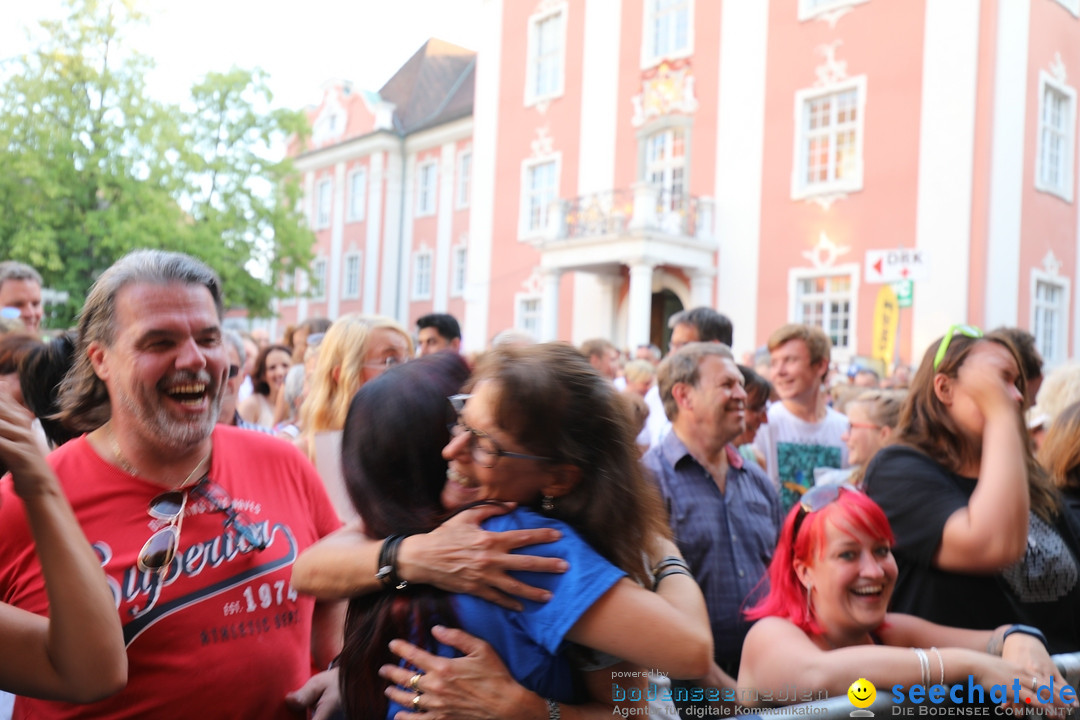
872,418
824,623
271,367
543,430
979,537
77,653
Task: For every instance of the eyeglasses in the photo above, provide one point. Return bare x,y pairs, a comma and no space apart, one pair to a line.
865,426
385,364
158,552
485,451
234,370
966,330
314,339
235,520
813,500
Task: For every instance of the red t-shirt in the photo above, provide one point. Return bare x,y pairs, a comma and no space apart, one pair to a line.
221,634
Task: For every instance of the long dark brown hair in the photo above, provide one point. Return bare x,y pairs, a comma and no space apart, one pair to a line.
925,423
551,400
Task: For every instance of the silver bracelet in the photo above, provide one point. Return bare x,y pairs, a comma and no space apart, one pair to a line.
941,664
924,665
553,710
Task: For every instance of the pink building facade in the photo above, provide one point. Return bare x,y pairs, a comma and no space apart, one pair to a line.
625,159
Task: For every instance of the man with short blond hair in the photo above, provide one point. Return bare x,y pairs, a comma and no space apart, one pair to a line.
802,433
603,356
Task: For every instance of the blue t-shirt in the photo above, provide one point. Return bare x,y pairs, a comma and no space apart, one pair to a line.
531,642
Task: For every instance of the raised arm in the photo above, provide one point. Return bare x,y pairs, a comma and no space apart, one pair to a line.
459,556
77,653
991,532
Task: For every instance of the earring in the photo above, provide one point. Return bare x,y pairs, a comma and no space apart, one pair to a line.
547,504
809,609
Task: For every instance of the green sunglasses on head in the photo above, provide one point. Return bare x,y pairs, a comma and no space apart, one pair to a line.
966,330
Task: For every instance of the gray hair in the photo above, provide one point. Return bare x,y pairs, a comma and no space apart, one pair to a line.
233,338
84,402
294,386
14,270
684,367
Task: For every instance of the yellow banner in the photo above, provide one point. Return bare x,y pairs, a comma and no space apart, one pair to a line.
886,318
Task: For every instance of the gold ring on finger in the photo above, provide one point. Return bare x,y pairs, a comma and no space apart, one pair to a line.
414,682
416,703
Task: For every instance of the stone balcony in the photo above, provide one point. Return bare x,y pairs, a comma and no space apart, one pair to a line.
628,226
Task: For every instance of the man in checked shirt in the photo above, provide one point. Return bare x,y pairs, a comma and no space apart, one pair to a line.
725,514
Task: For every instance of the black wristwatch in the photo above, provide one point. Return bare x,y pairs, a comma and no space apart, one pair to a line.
1024,630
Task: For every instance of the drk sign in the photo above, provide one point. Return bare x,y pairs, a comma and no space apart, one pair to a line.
887,266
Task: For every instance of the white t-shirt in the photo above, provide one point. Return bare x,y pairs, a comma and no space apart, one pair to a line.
794,449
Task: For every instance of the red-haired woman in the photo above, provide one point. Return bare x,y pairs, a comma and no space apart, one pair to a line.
824,622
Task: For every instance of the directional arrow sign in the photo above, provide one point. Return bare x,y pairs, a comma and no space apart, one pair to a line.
887,266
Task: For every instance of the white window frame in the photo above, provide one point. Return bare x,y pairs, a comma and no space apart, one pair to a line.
357,202
422,277
288,288
810,9
525,230
523,319
459,269
1060,352
324,202
800,189
669,200
463,192
1048,83
649,57
427,198
317,279
351,257
839,353
532,48
1072,6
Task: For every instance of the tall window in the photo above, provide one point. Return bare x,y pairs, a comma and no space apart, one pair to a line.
288,287
828,152
544,73
1049,313
457,278
668,30
540,191
813,8
323,197
425,188
665,167
357,191
318,279
464,179
528,315
1057,118
826,300
422,276
351,277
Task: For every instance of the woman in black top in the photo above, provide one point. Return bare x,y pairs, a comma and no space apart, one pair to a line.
979,534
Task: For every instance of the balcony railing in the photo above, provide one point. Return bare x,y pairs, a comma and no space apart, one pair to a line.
643,208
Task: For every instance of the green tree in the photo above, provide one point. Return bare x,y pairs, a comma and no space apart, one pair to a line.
91,166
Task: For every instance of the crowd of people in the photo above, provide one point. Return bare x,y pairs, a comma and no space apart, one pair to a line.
197,520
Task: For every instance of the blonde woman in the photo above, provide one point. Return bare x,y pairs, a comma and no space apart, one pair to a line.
356,349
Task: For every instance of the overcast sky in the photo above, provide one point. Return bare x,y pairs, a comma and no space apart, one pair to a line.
300,43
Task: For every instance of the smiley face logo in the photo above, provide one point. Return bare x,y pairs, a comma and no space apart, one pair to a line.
862,693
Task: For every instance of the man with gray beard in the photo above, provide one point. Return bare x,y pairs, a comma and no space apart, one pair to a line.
196,524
